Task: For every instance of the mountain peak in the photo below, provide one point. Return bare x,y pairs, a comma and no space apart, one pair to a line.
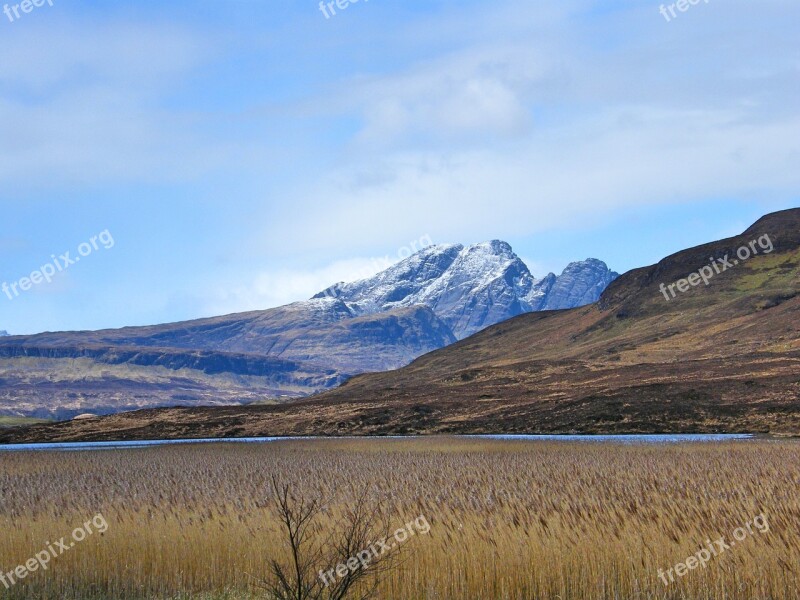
472,287
498,247
783,225
581,283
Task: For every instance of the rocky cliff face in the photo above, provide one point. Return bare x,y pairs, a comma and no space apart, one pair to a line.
470,288
580,284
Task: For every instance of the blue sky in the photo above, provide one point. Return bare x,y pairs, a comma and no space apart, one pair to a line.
246,154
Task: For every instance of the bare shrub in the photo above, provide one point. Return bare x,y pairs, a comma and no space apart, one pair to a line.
298,578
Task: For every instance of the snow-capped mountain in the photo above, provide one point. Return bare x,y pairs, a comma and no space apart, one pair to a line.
422,304
473,287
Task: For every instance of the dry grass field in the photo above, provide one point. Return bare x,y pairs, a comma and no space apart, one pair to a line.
509,520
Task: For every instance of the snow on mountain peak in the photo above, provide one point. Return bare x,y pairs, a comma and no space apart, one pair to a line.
472,287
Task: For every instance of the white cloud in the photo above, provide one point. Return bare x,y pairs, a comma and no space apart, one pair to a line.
629,157
523,128
478,92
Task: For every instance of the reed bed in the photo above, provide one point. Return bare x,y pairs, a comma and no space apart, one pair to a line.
509,520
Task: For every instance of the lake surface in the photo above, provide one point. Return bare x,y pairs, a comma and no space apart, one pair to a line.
613,439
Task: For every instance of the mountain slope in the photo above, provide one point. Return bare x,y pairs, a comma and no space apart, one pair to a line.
303,331
305,348
718,357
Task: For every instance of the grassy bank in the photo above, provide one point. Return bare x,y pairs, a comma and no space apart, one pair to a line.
20,421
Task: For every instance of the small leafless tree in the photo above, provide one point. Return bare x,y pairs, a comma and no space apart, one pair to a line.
298,578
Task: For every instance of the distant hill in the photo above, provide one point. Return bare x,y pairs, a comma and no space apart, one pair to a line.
423,303
721,357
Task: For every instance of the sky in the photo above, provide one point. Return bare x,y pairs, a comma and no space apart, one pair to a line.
203,158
